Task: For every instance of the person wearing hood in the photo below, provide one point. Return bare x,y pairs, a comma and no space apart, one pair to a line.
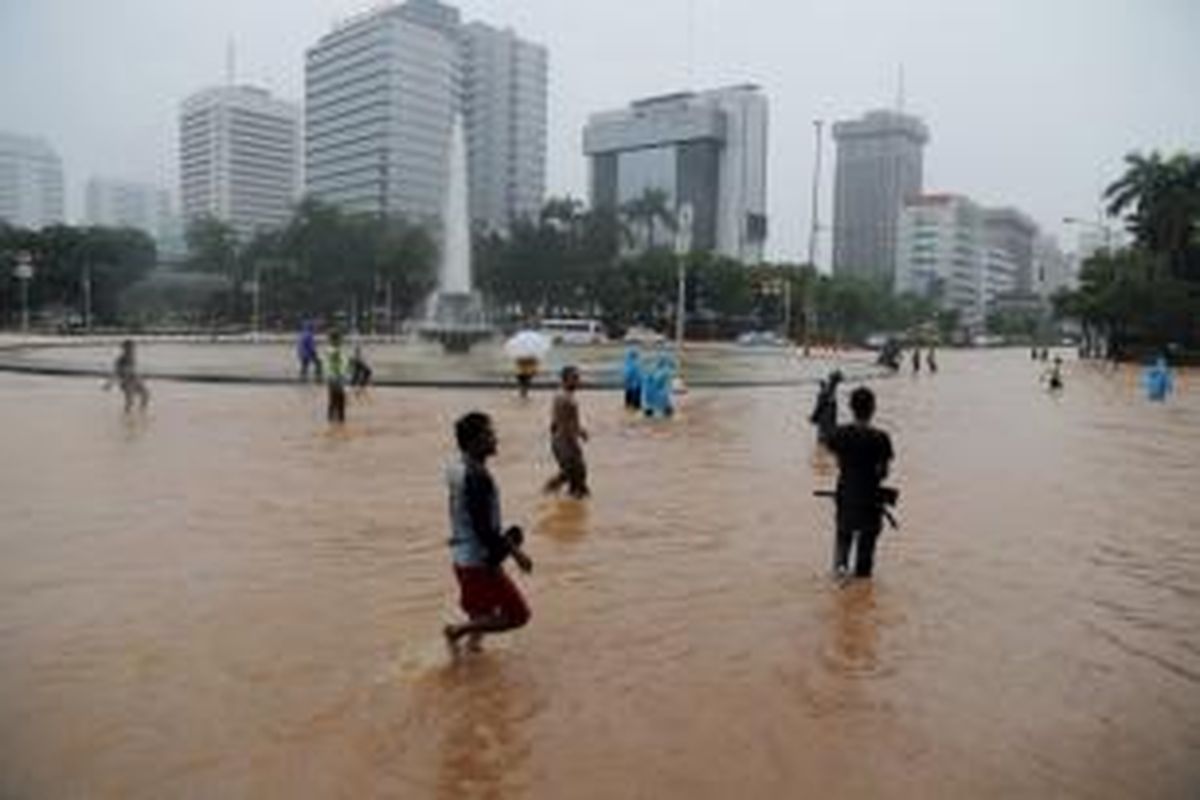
656,389
1158,380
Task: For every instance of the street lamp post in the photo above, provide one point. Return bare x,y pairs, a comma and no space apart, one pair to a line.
683,246
87,296
24,273
810,310
256,308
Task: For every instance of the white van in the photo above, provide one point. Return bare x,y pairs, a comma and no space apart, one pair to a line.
573,331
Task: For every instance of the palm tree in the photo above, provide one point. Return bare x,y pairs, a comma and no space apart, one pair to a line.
646,211
1161,201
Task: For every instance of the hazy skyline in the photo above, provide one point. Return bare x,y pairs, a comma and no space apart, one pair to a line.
1027,106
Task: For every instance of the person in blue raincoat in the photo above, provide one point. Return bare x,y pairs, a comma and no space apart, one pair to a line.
632,376
1158,380
656,389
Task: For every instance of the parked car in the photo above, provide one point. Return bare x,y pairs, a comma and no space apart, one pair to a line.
638,334
761,339
573,331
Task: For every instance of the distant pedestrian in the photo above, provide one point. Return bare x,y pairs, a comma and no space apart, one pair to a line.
526,370
1158,380
360,370
931,360
657,385
631,375
306,352
489,598
336,367
125,375
916,360
825,410
864,455
566,437
1053,377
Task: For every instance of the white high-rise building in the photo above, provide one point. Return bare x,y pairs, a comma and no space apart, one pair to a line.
504,102
381,91
239,151
120,203
706,150
943,252
1052,269
31,182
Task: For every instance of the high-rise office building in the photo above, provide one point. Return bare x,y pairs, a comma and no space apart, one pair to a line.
381,92
504,103
944,254
706,150
1014,231
239,158
879,166
31,182
121,203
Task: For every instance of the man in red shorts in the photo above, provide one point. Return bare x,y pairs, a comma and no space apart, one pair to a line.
489,598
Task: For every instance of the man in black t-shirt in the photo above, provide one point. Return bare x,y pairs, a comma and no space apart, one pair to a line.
863,453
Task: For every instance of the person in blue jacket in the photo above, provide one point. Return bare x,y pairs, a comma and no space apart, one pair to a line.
1158,380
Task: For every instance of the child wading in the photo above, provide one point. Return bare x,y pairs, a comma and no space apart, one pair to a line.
336,368
125,375
487,595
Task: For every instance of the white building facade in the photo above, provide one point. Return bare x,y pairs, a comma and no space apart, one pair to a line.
381,92
31,182
239,151
706,151
120,203
943,253
504,104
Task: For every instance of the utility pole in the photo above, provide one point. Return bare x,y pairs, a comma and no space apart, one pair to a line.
24,273
683,246
87,296
810,306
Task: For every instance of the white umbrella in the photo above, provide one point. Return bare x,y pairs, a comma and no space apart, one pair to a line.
527,344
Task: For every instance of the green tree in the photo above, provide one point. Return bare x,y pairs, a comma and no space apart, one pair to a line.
647,212
1160,200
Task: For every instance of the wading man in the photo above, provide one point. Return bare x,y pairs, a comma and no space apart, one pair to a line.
864,454
491,601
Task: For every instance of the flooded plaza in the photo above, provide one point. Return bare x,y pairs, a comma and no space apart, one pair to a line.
225,598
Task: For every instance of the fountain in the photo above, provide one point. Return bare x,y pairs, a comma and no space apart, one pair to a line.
454,313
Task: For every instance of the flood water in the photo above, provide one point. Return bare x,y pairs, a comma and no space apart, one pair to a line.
225,599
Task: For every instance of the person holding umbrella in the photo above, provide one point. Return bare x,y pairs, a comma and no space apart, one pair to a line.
527,349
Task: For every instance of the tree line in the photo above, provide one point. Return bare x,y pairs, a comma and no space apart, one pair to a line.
77,271
619,266
1145,297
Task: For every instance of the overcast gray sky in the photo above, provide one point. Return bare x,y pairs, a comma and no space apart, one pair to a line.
1030,102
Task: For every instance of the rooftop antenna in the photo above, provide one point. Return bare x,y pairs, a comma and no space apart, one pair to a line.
691,43
229,62
900,89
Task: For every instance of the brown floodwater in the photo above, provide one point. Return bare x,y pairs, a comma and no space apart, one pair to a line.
223,598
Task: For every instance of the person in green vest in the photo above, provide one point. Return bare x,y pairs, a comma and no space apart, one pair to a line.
336,368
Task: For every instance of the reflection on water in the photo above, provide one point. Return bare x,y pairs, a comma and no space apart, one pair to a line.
225,597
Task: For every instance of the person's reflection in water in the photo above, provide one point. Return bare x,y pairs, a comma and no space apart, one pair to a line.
564,520
855,630
482,748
